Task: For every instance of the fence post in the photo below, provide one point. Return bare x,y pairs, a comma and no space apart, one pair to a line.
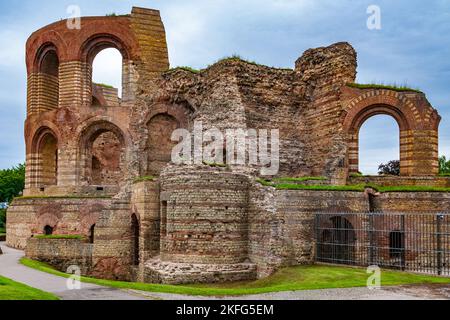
403,243
316,226
371,239
439,218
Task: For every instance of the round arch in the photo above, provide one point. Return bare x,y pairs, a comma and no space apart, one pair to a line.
44,158
102,153
360,113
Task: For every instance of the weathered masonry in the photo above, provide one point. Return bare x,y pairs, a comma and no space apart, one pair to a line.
91,155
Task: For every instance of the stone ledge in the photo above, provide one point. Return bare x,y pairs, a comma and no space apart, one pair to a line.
157,271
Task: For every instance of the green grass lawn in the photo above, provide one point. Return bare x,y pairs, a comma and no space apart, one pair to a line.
11,290
288,279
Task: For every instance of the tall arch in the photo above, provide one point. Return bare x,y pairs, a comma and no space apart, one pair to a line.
46,81
102,154
93,46
417,120
353,128
44,167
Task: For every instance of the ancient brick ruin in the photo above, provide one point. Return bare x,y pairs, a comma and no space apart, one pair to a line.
89,155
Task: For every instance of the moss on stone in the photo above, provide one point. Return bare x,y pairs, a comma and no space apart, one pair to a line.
393,87
144,179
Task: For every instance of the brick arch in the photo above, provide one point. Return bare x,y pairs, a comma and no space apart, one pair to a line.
89,216
159,122
94,45
42,42
418,144
42,160
99,42
94,159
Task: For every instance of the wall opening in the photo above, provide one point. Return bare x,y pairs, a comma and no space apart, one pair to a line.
159,144
337,241
48,231
135,231
107,76
103,155
379,143
396,244
92,234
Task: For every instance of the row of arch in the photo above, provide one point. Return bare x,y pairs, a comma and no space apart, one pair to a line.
102,151
47,67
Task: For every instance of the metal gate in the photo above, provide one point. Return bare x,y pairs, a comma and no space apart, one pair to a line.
411,242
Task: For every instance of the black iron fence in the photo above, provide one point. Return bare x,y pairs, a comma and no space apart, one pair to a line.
412,242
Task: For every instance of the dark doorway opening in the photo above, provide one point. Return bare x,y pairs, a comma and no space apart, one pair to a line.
135,230
91,234
48,231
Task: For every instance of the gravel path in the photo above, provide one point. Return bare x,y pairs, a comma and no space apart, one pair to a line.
11,268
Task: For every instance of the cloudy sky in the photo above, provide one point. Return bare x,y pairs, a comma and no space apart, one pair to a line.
412,47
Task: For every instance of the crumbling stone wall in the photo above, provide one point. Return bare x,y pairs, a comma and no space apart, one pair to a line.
86,151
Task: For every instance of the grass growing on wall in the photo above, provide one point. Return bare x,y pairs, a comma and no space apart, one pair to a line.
11,290
287,279
357,188
394,87
144,179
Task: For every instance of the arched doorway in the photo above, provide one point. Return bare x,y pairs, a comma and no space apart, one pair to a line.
337,242
135,234
48,231
379,143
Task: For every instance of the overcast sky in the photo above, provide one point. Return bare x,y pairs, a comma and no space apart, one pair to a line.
412,47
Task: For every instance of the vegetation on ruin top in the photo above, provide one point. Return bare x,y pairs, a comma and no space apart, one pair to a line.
356,188
286,279
11,290
60,237
301,179
394,87
104,85
144,179
234,57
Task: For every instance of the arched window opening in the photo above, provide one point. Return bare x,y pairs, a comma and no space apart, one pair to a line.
135,231
48,161
107,76
159,144
48,231
49,80
379,141
92,234
396,244
103,152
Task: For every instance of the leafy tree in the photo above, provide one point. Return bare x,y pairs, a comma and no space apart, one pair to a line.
390,168
2,220
12,183
444,165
